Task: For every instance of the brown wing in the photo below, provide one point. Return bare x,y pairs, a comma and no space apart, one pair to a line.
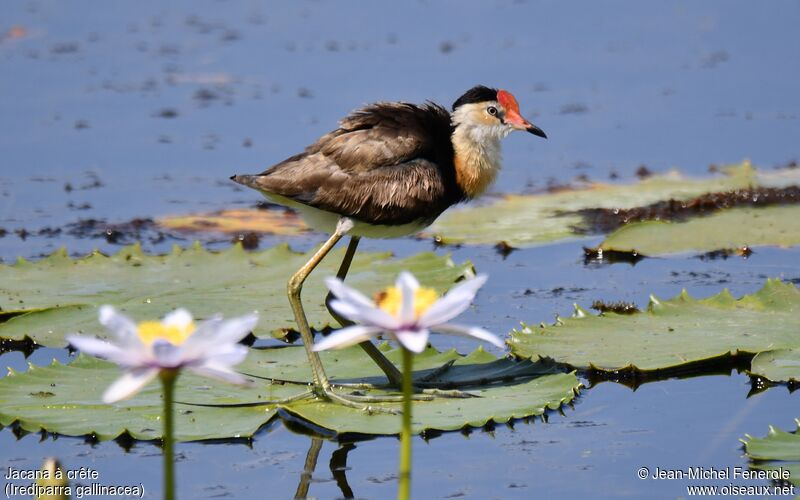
389,163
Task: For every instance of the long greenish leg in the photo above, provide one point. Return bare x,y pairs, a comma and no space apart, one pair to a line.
293,289
391,371
322,385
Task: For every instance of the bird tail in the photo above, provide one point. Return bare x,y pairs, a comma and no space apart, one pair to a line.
246,180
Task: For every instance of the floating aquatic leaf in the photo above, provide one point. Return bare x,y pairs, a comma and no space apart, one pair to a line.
518,391
671,333
780,365
779,451
733,229
47,299
65,399
527,220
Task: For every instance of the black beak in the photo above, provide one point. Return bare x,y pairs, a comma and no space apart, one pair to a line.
533,129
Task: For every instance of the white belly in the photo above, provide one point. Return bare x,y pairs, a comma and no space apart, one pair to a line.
325,222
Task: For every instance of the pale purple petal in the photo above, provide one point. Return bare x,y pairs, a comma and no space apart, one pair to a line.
414,341
106,350
347,294
230,356
207,328
346,337
120,325
235,329
220,331
179,318
367,314
167,355
346,309
194,350
129,384
406,279
453,303
408,285
471,331
219,372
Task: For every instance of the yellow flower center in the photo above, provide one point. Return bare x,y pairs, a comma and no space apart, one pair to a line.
391,299
150,331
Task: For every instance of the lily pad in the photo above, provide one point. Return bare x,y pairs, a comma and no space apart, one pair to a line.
727,230
780,365
48,299
529,220
779,451
671,333
280,222
532,389
65,399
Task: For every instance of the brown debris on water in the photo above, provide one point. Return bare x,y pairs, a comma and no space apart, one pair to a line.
123,233
724,253
234,222
598,256
643,172
619,307
167,113
504,249
553,186
249,240
604,220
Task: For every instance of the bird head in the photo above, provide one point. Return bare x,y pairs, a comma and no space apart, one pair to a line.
491,112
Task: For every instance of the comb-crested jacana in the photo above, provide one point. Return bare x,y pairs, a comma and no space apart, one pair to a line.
389,170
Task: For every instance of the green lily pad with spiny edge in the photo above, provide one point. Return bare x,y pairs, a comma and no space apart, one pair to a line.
65,399
537,219
505,388
779,451
670,334
779,365
48,299
727,230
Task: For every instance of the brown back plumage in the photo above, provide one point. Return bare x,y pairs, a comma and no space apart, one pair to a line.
388,163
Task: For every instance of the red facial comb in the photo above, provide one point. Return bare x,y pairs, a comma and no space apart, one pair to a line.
507,100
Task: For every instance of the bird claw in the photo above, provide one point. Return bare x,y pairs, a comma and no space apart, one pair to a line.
426,384
359,402
449,393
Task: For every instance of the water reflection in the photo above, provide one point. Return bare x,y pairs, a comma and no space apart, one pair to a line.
309,468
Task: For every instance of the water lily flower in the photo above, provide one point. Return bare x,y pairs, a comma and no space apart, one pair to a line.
209,348
406,311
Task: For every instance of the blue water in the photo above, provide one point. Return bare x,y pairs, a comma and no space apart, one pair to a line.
86,99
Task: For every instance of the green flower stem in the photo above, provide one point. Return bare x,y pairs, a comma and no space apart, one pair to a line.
404,487
168,378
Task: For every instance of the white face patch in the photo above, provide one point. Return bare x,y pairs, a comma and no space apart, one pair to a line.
478,124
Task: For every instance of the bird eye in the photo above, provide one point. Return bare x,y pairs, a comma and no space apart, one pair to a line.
492,110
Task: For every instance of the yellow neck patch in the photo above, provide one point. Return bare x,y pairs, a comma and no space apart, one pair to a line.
390,300
150,331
